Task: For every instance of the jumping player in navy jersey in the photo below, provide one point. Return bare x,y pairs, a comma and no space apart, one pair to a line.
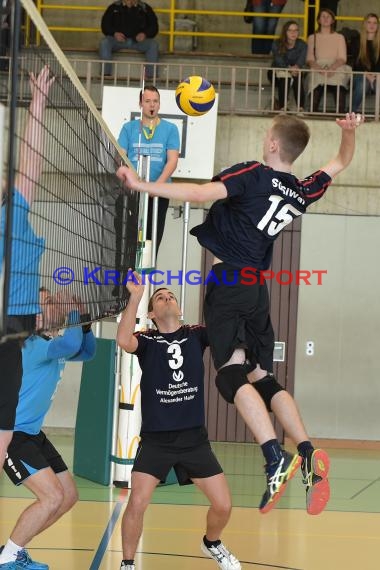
255,202
32,460
173,433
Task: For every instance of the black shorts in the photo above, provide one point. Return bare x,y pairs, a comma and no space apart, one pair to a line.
11,370
237,316
187,451
28,454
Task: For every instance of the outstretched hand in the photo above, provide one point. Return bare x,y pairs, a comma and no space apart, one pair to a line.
42,83
66,302
128,177
80,305
350,121
135,284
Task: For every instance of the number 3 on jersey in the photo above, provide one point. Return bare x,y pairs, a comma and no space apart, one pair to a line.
276,217
176,359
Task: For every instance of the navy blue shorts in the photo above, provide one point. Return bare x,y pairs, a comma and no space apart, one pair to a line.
11,368
237,316
28,454
188,452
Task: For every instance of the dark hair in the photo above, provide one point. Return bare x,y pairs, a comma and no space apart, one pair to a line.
328,11
148,88
150,302
282,41
293,134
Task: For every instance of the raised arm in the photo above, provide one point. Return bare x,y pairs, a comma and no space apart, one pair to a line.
31,148
185,191
347,144
125,337
66,346
87,349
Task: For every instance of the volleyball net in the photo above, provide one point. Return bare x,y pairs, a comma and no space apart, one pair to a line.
70,210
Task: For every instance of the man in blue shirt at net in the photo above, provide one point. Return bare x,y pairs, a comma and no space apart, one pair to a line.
26,252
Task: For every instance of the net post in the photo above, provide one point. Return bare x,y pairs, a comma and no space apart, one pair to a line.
116,401
127,410
154,231
98,329
185,239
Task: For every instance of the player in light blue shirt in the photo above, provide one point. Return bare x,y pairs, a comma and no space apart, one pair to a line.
25,253
32,460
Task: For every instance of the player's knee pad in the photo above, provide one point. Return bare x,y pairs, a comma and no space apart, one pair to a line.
229,379
267,387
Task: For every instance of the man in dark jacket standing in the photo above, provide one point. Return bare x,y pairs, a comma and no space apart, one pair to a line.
130,24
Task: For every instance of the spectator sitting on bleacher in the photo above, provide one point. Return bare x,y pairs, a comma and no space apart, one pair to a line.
327,56
367,60
289,53
129,24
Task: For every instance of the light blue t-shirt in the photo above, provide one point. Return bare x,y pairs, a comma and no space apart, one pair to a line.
27,249
43,363
166,137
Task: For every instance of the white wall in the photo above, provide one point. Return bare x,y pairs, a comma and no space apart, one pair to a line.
338,388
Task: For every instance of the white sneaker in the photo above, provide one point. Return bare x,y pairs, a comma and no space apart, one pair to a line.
222,556
127,567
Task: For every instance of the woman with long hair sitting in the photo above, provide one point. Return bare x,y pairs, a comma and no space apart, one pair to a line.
289,55
367,60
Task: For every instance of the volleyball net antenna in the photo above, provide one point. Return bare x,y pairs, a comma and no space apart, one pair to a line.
83,222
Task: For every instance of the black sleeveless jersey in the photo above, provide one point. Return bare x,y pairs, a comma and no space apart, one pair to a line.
241,229
172,393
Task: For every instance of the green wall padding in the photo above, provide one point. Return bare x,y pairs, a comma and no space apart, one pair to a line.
93,431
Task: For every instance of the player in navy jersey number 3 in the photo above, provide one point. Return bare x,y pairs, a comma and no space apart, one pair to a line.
254,202
173,432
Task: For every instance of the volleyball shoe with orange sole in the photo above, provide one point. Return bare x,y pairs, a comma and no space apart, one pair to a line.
315,469
278,474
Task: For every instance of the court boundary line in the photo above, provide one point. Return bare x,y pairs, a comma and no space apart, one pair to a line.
102,547
263,564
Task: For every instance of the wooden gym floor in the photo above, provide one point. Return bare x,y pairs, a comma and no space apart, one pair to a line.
345,537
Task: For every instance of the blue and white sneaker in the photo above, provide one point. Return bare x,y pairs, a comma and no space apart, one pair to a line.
278,474
24,562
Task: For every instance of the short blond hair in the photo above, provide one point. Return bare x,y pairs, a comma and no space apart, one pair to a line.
293,135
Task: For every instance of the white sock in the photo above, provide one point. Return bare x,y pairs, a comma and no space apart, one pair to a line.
9,553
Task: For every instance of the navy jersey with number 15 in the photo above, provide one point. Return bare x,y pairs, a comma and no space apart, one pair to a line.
241,229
